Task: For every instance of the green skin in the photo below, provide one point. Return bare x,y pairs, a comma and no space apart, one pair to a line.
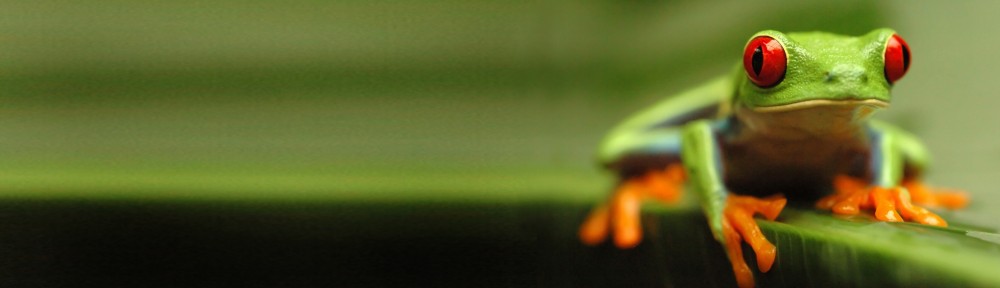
792,138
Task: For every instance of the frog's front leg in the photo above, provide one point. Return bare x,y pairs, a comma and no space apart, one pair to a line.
887,193
730,217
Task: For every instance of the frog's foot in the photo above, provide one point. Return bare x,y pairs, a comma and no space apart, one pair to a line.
890,204
738,226
621,214
920,193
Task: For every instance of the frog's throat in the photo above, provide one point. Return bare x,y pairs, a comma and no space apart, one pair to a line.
814,119
819,103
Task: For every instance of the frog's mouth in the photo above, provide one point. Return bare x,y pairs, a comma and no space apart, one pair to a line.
822,118
820,103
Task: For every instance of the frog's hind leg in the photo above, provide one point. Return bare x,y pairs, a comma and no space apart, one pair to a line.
920,193
650,167
621,215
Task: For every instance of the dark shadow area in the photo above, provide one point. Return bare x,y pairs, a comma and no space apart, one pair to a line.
183,244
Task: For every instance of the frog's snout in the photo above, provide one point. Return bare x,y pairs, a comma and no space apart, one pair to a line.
846,73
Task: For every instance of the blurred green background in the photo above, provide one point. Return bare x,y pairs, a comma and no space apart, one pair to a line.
490,101
350,112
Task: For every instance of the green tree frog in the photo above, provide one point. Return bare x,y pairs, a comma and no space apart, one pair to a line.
792,119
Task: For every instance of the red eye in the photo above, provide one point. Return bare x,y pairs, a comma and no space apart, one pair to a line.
897,58
764,60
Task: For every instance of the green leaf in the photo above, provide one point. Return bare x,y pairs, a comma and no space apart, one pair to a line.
816,249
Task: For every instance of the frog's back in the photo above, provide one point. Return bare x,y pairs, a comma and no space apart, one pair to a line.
651,138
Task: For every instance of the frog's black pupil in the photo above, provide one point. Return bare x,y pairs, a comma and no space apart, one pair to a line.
906,58
758,60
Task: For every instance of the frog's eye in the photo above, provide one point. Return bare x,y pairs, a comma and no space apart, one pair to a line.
764,60
897,58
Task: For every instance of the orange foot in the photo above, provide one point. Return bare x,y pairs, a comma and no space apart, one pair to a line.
621,213
890,204
920,193
738,225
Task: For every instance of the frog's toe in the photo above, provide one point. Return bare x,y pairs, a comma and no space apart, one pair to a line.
734,251
619,217
915,213
850,203
739,212
884,201
594,230
922,194
625,215
849,197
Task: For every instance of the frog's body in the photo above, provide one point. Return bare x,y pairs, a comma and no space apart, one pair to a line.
783,157
793,119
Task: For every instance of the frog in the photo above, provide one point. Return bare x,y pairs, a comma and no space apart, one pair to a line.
791,122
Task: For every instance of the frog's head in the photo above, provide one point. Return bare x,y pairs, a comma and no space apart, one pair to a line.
818,82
